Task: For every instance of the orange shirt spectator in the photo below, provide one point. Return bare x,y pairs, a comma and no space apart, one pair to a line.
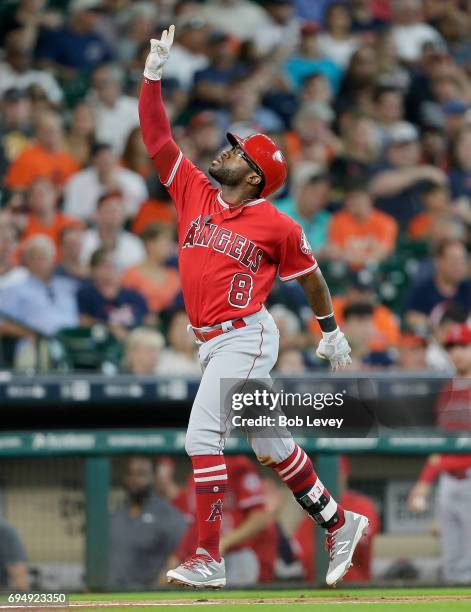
153,211
43,217
34,162
360,235
159,292
47,158
156,281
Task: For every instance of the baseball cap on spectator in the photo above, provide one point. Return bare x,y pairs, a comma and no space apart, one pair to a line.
14,94
85,5
410,340
401,133
310,28
460,335
363,280
455,107
190,21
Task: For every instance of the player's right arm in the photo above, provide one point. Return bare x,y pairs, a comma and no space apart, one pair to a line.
175,171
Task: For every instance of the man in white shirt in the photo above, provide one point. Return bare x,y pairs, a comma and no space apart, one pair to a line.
188,51
85,187
239,18
115,114
127,249
16,71
409,32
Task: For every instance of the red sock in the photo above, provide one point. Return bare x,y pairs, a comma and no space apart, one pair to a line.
210,478
298,473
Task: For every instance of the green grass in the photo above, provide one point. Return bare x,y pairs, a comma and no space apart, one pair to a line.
357,605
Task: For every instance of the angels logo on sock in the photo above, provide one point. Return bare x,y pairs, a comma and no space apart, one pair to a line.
305,246
216,512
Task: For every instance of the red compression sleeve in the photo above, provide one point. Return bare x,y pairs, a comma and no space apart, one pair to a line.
155,128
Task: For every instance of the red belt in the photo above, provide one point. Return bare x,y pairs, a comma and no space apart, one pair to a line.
204,336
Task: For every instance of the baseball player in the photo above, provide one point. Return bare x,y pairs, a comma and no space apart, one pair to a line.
453,471
231,244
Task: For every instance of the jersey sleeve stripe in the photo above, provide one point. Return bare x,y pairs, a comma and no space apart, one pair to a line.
169,181
297,274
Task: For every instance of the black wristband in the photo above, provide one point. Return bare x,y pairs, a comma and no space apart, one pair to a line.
327,323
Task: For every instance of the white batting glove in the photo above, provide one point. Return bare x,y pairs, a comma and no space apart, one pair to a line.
159,54
334,347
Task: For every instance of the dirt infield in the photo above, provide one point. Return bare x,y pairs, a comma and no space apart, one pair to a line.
162,603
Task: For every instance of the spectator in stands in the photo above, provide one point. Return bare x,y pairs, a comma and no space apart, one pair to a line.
361,290
70,247
210,84
443,320
104,300
84,189
280,33
145,531
80,136
310,60
460,174
449,282
364,19
13,560
241,19
78,46
189,50
44,218
158,282
17,69
115,113
358,83
360,330
397,183
337,42
43,302
48,157
289,326
360,235
135,157
454,28
412,353
305,534
180,357
158,208
308,208
9,273
15,127
389,109
142,351
126,248
409,30
437,208
361,140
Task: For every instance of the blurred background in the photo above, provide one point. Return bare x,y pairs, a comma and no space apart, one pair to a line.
370,100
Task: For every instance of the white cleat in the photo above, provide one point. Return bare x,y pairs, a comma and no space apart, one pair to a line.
200,571
341,545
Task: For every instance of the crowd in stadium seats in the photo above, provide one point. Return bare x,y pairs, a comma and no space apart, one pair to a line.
370,100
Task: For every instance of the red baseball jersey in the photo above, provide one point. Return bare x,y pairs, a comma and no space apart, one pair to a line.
228,258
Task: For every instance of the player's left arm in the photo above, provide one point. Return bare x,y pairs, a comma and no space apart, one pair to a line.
333,345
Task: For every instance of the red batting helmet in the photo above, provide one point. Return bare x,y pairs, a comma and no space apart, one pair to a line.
266,156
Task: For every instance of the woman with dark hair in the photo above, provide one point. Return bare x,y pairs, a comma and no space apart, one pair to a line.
337,42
